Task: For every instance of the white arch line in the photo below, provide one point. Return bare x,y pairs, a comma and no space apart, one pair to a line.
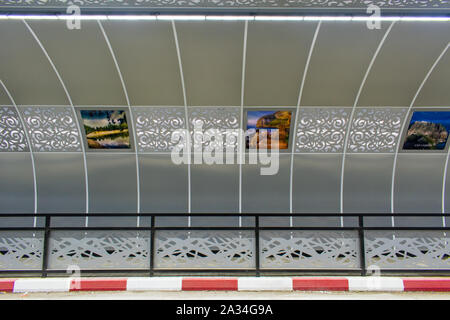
300,94
403,128
349,125
73,110
29,146
240,143
186,114
138,183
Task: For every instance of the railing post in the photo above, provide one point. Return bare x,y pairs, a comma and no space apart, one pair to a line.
45,246
152,245
362,249
257,258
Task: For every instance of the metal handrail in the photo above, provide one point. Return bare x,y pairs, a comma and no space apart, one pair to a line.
256,228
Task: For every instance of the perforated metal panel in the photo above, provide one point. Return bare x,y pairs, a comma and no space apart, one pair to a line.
155,126
12,134
21,250
309,250
200,249
407,249
97,249
321,129
375,129
52,129
215,121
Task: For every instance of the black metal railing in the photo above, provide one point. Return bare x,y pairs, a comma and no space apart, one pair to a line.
360,228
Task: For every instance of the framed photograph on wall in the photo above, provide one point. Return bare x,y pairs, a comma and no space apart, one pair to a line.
106,128
427,130
263,124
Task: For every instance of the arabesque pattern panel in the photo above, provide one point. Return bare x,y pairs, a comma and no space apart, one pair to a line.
155,126
375,129
52,129
321,129
215,121
12,135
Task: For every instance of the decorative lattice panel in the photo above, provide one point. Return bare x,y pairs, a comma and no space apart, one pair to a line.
155,125
309,250
215,122
408,249
375,129
99,249
230,3
52,128
204,250
321,129
21,250
12,135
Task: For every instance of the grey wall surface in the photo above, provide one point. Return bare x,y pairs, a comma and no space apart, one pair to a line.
212,60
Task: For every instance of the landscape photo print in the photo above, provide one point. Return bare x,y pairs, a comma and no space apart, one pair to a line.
427,130
264,125
106,129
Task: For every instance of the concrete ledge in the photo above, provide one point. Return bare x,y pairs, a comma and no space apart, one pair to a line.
367,284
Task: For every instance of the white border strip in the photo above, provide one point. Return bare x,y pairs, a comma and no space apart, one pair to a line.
195,17
350,121
265,284
375,283
174,28
73,110
154,284
138,183
403,128
29,146
300,94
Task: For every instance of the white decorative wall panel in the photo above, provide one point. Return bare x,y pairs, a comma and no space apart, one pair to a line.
231,3
375,129
204,249
215,119
99,249
408,249
52,129
21,250
12,135
309,249
155,125
321,129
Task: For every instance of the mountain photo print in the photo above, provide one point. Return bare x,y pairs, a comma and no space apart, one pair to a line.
428,130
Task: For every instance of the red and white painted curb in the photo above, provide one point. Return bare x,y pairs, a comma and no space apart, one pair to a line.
226,284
